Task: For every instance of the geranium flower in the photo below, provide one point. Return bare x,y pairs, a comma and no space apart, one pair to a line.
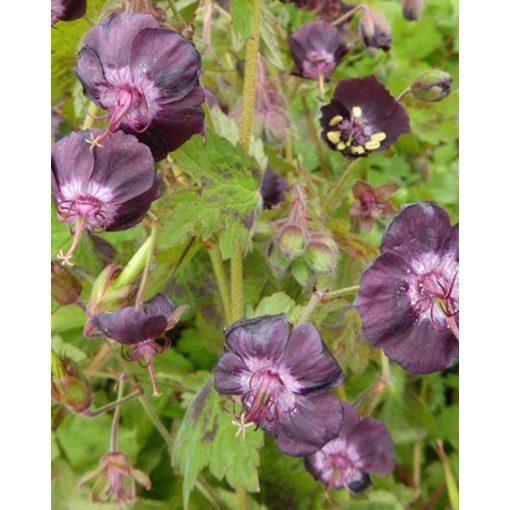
110,189
146,76
363,447
284,378
362,118
317,48
67,10
371,203
272,189
140,328
409,296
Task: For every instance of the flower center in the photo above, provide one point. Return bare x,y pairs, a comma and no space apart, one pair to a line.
84,206
351,136
260,401
318,62
341,470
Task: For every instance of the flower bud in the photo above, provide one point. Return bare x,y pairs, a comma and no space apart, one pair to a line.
263,231
412,9
321,254
279,264
291,241
65,287
375,31
69,386
276,125
432,86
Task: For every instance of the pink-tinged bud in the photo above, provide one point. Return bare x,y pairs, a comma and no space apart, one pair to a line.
432,86
375,31
276,125
65,287
412,9
115,480
69,386
291,241
321,254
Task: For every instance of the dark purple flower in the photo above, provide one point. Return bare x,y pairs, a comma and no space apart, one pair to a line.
111,188
284,378
324,9
363,447
409,296
67,10
371,203
273,188
363,117
146,76
375,30
139,328
317,48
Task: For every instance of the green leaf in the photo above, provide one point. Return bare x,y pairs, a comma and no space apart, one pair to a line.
226,193
270,46
242,13
275,304
207,437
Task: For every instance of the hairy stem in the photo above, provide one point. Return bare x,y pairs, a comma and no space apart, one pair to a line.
332,198
221,279
249,89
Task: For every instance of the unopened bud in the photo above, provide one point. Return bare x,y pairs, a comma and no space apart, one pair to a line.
291,241
263,231
375,31
276,125
65,287
321,255
279,264
69,386
432,86
412,9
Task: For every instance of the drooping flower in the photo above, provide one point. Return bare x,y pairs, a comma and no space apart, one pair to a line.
375,30
409,296
284,377
273,188
363,117
146,76
412,9
109,188
371,203
363,447
317,48
114,479
67,10
140,329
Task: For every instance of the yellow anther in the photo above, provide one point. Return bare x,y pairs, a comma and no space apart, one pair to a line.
372,145
378,137
340,146
333,136
335,120
357,149
356,112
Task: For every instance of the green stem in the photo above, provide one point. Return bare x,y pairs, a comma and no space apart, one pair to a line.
145,275
347,291
208,118
332,197
221,279
135,266
116,416
451,484
348,15
249,89
310,307
385,368
90,114
176,13
404,93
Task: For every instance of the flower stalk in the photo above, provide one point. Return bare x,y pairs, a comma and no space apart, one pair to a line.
332,198
221,279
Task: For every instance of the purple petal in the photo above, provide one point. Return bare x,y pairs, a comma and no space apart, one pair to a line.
369,94
89,71
129,325
263,337
309,360
451,243
160,305
273,188
395,124
230,374
374,446
168,59
417,229
174,124
315,421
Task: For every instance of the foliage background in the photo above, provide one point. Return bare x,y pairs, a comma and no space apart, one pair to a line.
417,410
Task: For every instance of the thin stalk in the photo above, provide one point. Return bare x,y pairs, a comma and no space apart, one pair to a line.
249,89
112,405
417,460
288,147
404,93
116,416
221,279
333,194
310,307
451,484
348,15
347,291
145,275
176,13
208,118
90,116
320,85
315,138
385,368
